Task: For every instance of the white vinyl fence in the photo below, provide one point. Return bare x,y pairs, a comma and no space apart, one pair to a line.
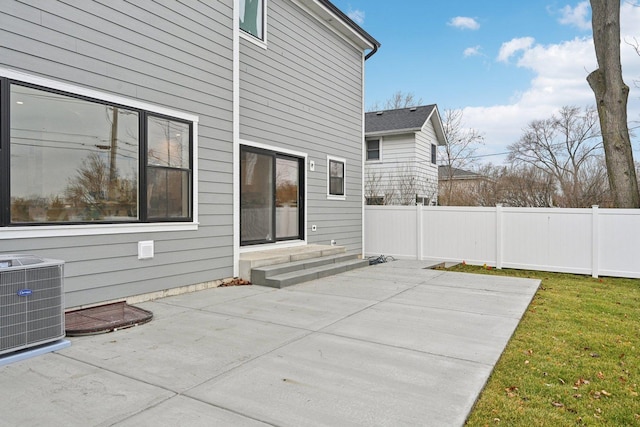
599,242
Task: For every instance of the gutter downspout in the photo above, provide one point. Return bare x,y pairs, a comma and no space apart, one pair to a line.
373,52
236,137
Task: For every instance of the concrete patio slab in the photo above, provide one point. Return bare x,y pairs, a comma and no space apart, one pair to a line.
393,275
324,380
224,294
354,287
184,411
392,344
457,334
54,390
487,282
183,351
293,308
470,300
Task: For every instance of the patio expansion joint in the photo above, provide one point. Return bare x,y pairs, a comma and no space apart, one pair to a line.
483,289
413,350
174,393
232,411
120,374
204,309
234,368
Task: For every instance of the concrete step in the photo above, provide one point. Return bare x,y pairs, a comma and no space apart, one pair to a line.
262,258
281,275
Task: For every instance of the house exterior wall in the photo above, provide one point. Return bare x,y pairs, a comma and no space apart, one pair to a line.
304,93
427,171
402,158
172,55
459,191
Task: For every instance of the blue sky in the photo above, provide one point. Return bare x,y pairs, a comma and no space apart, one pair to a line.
504,62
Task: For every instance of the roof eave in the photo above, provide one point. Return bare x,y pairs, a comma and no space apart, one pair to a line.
337,19
393,132
437,125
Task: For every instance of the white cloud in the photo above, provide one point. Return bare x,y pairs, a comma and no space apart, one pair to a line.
513,46
579,16
464,23
560,71
472,51
356,15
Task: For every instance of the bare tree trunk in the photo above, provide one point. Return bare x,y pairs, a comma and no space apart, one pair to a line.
611,99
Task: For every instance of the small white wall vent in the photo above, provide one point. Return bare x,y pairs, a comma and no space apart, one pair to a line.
412,109
145,249
379,113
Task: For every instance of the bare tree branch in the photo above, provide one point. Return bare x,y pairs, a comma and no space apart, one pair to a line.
567,147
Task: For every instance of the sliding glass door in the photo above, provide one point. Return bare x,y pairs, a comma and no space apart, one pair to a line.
271,196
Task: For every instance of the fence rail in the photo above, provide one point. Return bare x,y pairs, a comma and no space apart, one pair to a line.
599,242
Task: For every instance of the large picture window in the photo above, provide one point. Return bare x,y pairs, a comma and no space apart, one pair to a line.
252,17
69,159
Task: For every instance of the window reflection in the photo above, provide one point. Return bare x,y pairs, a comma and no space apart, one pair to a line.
72,160
251,13
168,171
256,196
336,178
287,195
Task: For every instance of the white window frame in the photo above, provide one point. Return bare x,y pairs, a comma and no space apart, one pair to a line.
260,42
31,231
344,178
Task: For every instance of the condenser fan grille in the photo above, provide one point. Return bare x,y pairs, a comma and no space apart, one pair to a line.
31,302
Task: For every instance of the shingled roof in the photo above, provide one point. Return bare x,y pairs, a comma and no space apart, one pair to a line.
409,119
446,171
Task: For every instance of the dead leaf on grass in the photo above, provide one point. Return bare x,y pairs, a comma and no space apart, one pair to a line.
580,382
511,391
557,404
600,375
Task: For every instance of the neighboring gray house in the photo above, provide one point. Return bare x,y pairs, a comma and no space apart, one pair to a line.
401,155
149,144
458,186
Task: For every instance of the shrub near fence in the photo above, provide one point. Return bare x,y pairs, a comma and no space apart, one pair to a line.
599,242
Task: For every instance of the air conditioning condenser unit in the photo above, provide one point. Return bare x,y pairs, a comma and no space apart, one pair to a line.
31,301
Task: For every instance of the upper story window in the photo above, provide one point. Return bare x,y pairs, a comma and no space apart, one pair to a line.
434,153
77,160
336,171
373,149
252,17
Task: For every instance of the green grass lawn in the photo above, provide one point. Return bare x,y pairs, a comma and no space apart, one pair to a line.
574,359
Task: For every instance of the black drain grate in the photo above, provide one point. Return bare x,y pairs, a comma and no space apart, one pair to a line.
104,318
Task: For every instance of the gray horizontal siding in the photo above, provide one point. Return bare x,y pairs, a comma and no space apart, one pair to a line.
168,53
304,93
